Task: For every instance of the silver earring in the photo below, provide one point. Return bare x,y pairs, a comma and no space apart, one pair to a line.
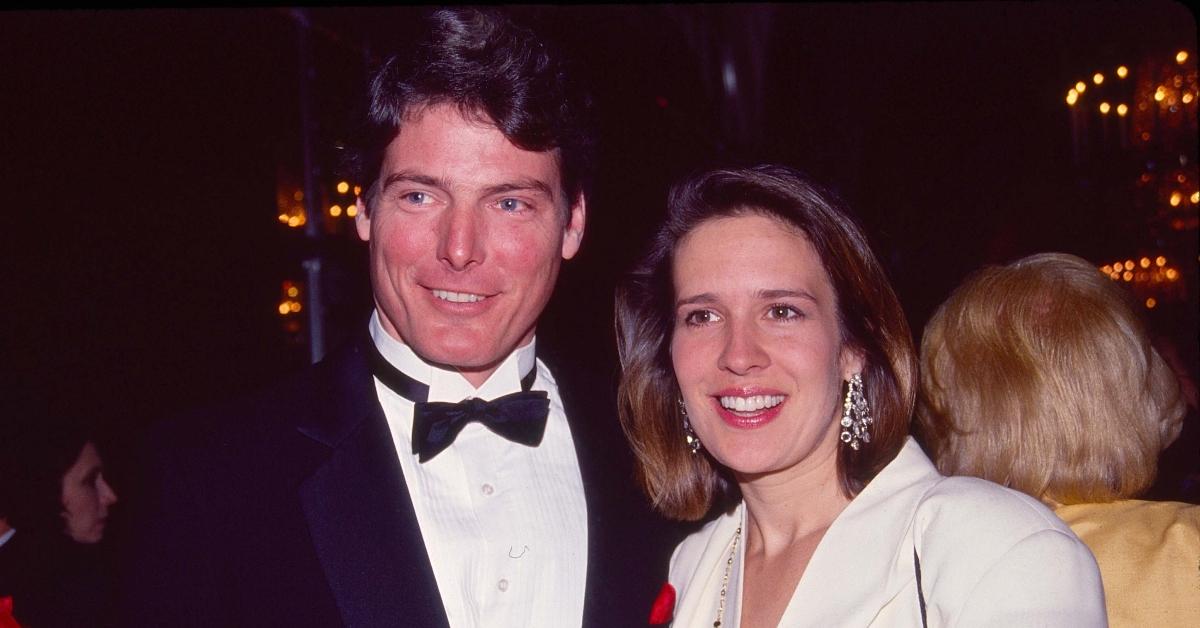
689,435
856,414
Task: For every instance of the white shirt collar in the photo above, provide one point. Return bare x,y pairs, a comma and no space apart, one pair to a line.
450,385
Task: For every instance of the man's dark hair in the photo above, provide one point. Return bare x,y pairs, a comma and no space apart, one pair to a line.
492,69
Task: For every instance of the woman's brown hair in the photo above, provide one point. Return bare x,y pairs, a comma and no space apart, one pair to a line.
871,320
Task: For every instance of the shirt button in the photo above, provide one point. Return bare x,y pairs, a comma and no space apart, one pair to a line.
502,585
487,489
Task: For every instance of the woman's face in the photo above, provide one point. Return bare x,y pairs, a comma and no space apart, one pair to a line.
756,348
86,497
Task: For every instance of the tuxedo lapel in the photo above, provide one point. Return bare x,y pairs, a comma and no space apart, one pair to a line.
358,508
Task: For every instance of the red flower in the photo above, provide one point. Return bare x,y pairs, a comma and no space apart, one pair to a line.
664,606
6,618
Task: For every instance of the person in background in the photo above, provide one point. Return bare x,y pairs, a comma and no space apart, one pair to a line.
1039,375
769,381
54,507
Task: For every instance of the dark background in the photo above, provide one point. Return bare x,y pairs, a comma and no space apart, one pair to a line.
141,152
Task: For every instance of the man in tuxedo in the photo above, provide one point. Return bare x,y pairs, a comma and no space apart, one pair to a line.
435,472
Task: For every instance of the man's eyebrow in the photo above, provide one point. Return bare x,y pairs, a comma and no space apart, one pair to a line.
413,177
535,185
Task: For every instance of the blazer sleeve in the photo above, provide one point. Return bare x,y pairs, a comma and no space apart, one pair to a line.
1047,579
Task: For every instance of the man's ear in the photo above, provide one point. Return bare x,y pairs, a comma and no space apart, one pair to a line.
362,220
573,231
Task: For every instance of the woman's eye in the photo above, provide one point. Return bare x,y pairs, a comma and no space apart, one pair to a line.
782,312
701,317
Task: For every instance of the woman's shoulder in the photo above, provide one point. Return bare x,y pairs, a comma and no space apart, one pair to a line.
973,506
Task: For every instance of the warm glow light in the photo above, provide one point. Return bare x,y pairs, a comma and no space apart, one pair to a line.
293,291
1160,95
1172,274
298,195
283,308
294,221
1186,98
1115,276
1151,302
1176,199
1106,269
352,211
1145,136
1144,262
1122,110
343,187
1181,177
294,306
1160,261
335,210
1122,71
1081,87
1097,78
1128,276
1128,264
283,218
1072,97
1181,56
1104,108
357,191
1195,197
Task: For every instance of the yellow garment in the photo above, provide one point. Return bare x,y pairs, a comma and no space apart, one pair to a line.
1149,557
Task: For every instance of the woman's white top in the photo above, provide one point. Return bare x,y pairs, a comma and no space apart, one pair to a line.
989,556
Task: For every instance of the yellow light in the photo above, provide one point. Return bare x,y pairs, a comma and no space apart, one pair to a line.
352,211
1072,97
1104,108
1097,78
283,218
335,210
1159,95
1144,262
1128,264
1160,261
1187,97
284,309
294,221
1128,276
1151,302
298,195
1106,269
293,291
294,306
1081,87
1115,276
357,191
1122,71
1181,56
1195,197
343,187
1172,274
1122,109
1176,199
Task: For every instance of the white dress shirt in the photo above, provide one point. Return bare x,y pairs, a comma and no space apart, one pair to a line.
505,525
990,556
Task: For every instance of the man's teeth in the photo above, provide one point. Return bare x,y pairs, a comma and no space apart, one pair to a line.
458,297
751,404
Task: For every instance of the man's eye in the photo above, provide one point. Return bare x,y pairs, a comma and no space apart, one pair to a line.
512,204
416,198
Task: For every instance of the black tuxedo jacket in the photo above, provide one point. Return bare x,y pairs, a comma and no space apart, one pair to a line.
290,509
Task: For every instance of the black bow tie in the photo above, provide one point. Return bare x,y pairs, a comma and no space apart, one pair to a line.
519,417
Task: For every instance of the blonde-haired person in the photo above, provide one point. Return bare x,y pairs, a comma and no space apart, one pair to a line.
1040,376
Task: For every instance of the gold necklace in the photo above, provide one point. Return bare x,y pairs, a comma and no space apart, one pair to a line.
737,536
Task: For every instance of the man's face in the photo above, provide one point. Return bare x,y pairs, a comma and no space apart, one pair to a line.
467,232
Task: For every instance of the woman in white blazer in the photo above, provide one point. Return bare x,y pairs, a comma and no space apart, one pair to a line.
768,385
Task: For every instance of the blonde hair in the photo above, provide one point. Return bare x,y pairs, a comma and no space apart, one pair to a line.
1040,376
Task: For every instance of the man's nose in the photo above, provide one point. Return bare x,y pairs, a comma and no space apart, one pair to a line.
107,495
460,241
743,352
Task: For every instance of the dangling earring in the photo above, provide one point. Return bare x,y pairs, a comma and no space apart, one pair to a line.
690,437
856,415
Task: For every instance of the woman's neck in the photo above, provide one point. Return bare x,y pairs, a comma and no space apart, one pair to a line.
785,507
